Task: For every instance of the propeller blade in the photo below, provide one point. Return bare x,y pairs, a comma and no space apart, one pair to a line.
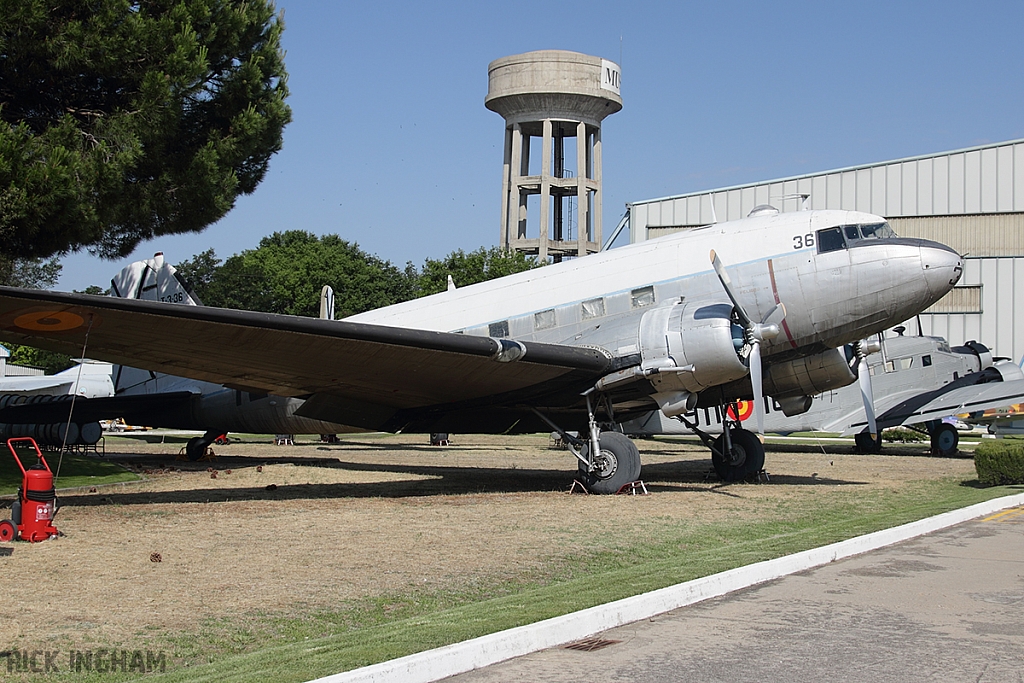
727,285
755,382
864,378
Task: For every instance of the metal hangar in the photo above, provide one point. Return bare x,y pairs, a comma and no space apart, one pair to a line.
971,199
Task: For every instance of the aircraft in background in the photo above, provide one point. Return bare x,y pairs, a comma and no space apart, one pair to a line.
88,379
1003,421
917,381
1000,420
665,324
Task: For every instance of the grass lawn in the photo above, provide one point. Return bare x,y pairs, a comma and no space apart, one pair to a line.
75,470
370,631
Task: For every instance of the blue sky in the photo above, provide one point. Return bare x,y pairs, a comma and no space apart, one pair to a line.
391,146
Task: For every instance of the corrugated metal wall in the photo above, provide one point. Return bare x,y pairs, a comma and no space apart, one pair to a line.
1001,283
980,180
998,234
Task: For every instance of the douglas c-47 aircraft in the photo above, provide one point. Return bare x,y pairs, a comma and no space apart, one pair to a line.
701,318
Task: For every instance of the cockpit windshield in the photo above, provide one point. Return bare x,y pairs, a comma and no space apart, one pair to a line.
876,231
842,236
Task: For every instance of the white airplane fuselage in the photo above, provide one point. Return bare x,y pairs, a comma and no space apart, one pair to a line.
831,298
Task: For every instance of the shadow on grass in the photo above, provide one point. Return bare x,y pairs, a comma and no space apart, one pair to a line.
976,484
684,475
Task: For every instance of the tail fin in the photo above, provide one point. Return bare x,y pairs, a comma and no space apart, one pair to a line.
153,280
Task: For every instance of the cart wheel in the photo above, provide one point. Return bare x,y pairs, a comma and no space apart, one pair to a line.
8,530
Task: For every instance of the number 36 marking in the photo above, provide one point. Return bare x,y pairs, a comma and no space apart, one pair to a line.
801,241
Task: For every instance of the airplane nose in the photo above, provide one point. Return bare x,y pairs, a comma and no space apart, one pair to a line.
942,267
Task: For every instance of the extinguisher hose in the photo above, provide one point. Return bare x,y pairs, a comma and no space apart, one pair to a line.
41,496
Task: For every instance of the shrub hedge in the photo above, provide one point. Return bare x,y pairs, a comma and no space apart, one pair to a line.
1000,462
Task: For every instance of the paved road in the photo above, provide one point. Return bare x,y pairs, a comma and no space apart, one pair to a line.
944,607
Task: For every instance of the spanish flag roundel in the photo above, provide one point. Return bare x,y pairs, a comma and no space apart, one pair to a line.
746,409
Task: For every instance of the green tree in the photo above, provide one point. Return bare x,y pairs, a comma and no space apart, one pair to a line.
286,272
30,273
199,271
121,120
476,266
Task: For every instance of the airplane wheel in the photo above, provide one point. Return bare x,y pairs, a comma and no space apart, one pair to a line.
945,439
195,448
865,444
745,460
8,531
618,464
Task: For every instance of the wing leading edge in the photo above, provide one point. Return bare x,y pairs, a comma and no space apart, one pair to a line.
373,376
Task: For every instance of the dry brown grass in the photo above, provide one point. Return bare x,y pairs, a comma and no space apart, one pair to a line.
373,515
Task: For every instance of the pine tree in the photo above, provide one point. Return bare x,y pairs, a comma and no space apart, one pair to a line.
121,120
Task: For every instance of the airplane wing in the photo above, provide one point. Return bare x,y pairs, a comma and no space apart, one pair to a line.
51,384
948,400
367,376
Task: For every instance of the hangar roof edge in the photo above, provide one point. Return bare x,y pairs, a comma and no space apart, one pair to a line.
815,174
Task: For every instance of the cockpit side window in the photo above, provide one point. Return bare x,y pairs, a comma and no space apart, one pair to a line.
876,231
830,239
857,232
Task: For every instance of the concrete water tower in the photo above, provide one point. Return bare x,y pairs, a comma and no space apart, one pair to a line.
552,206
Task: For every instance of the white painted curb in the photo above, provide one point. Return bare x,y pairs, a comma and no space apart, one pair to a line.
433,665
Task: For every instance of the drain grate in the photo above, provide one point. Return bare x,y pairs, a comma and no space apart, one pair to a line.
591,644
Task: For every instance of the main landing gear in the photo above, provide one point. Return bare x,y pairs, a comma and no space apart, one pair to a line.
616,464
607,460
737,455
945,439
866,444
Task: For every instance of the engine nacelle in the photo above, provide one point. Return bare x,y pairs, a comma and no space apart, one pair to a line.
982,357
809,375
687,348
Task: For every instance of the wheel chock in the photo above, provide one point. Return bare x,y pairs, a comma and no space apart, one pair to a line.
633,488
577,484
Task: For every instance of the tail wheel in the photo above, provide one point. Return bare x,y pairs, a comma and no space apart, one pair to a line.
743,461
8,530
617,464
196,448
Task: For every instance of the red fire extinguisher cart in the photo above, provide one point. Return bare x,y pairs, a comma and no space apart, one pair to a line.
32,513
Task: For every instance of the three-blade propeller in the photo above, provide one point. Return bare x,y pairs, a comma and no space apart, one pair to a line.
753,334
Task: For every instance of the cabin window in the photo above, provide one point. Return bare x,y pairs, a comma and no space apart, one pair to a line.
906,363
926,361
499,329
544,320
830,239
642,297
593,308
